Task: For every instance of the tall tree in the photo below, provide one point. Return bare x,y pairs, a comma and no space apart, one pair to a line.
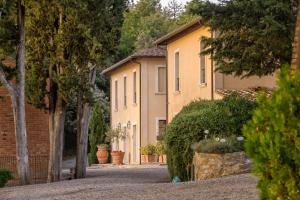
174,9
14,42
105,31
54,42
69,41
296,45
253,37
143,24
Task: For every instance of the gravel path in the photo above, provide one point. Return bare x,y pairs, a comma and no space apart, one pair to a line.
135,183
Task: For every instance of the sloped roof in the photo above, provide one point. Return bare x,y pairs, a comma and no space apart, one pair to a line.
249,93
181,30
9,62
154,52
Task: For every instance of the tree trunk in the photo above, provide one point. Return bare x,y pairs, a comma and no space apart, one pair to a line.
57,113
18,99
296,45
83,117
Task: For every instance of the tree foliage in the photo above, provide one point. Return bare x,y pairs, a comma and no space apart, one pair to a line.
273,140
143,24
8,35
252,37
97,130
67,40
202,119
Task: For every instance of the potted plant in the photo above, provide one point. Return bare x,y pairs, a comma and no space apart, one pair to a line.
148,153
114,135
161,152
102,153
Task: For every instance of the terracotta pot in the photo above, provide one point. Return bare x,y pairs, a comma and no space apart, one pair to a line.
150,158
143,159
117,157
161,159
102,155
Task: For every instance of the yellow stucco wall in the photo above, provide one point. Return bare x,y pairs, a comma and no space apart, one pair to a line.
188,47
124,114
152,105
189,73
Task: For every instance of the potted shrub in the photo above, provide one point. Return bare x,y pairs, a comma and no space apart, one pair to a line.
148,153
216,157
115,135
161,152
102,153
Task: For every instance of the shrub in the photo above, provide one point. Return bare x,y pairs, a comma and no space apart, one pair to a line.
149,149
218,146
160,148
97,130
202,119
273,140
5,176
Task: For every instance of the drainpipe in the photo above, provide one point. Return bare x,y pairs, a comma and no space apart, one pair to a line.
140,103
212,70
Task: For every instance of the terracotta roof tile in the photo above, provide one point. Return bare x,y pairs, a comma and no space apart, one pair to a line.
9,62
159,52
250,92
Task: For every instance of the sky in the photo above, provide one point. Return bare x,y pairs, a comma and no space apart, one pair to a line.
165,2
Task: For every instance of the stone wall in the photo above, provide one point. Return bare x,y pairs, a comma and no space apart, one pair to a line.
216,165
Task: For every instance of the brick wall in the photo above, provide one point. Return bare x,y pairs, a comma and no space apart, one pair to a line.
37,133
37,128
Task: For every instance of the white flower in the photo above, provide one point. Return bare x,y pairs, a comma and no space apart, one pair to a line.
206,131
241,138
222,140
217,139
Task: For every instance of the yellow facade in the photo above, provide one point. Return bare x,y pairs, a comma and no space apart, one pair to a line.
140,118
189,47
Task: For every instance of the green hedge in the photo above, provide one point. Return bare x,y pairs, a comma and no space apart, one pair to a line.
203,119
5,176
97,130
273,140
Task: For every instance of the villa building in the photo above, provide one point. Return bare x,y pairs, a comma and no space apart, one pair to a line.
191,76
138,100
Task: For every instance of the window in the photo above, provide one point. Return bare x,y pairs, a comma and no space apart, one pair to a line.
177,83
202,64
134,88
125,91
161,128
116,95
161,79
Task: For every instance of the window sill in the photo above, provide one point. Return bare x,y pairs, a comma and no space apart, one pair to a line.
202,85
176,92
160,93
134,104
115,110
125,107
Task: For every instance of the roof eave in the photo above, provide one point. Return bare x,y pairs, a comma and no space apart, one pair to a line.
109,70
164,40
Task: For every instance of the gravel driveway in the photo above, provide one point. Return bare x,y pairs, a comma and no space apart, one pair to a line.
135,183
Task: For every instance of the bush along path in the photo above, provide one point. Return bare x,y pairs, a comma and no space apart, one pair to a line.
273,140
199,120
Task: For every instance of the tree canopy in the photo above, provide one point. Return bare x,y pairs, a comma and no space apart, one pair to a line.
252,37
143,24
